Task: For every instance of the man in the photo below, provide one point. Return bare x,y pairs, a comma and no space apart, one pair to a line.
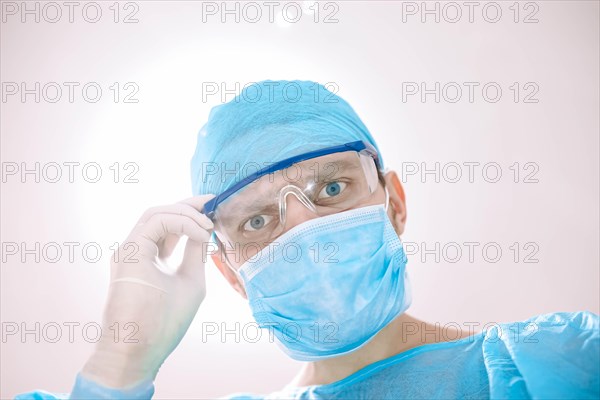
293,167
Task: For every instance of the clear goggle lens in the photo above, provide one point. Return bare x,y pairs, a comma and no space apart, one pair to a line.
258,214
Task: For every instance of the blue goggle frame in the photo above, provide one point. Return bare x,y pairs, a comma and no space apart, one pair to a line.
358,146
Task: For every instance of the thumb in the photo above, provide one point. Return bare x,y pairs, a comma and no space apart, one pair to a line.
194,259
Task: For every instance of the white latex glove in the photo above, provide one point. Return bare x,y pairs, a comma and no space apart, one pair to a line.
159,304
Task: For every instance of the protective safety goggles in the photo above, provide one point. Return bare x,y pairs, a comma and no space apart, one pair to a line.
254,211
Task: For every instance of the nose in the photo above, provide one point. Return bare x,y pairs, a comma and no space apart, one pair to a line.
296,212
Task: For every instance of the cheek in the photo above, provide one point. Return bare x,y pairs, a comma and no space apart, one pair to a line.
378,197
240,254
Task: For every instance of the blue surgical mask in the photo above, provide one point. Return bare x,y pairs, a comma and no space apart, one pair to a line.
328,285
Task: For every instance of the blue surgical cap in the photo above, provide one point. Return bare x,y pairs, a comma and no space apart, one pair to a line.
267,122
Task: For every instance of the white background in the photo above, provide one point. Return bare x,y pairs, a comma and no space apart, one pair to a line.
367,55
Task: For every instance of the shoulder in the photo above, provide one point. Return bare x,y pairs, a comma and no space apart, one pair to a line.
41,395
583,320
549,355
562,331
287,392
243,396
550,328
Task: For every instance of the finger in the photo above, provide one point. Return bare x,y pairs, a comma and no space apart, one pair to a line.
198,202
178,209
160,225
194,259
167,245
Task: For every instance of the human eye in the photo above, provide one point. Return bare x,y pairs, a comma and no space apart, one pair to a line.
257,222
331,189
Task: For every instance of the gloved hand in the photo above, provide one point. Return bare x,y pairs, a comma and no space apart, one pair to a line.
149,308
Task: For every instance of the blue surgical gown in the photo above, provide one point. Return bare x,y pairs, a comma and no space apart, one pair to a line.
551,356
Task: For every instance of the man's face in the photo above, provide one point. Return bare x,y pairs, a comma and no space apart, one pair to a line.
258,214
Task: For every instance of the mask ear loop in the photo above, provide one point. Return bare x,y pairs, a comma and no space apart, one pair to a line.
387,199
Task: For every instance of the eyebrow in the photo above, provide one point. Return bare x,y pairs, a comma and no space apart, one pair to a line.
338,165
